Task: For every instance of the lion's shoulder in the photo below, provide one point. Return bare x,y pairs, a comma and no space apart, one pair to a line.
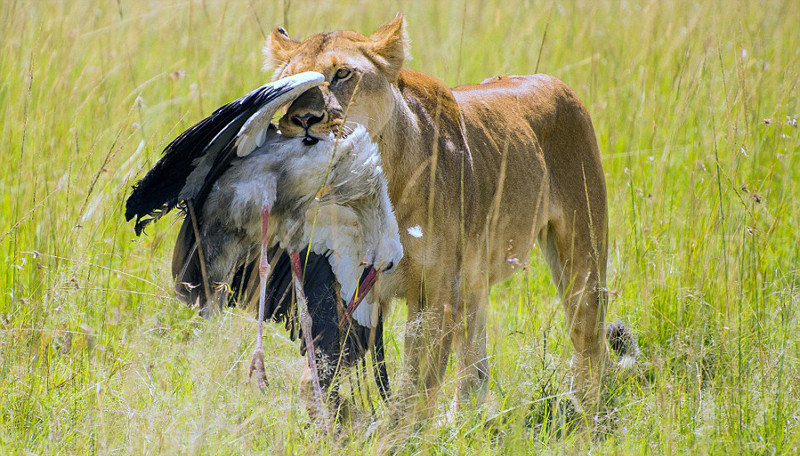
428,95
515,103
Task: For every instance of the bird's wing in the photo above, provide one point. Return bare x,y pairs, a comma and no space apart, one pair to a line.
196,158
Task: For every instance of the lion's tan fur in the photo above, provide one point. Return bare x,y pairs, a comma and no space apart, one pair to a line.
486,171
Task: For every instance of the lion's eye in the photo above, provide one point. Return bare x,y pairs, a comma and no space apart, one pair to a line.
342,74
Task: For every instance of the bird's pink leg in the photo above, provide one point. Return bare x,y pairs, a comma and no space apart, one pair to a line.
305,326
257,362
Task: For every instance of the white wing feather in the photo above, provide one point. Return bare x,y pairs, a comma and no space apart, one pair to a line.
252,134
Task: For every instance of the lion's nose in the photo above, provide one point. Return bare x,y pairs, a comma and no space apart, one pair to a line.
306,120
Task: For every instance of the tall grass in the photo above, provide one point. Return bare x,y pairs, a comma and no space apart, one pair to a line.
695,105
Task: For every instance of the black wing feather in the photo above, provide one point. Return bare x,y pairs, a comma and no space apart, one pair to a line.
158,192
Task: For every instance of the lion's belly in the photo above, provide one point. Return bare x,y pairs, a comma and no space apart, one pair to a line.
506,121
514,207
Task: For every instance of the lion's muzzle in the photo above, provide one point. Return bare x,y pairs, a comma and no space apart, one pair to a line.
313,115
305,121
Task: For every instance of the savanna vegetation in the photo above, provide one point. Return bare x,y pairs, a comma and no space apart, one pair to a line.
695,105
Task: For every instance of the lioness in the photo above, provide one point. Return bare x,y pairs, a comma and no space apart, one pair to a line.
477,175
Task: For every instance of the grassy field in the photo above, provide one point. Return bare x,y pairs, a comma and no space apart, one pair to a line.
695,105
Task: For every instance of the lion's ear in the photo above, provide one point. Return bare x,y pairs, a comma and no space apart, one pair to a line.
278,49
391,43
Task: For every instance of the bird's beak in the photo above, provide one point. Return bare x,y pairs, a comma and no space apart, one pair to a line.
365,283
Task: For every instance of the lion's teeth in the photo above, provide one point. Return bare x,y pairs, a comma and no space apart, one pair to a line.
346,131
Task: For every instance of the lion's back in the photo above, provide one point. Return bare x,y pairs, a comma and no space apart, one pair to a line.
513,103
537,112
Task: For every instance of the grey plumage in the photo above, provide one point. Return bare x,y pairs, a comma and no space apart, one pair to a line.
348,216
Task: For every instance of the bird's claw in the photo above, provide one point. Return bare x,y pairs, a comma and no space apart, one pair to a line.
258,370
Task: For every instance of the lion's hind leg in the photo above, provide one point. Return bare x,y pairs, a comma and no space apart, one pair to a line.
578,270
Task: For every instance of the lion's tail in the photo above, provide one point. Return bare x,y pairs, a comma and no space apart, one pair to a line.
623,343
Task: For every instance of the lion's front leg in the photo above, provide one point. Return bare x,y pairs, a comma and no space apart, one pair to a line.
470,342
429,334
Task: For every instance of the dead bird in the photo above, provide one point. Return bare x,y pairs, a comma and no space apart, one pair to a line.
251,188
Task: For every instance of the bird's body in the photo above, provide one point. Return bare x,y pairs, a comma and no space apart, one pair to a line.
245,187
330,196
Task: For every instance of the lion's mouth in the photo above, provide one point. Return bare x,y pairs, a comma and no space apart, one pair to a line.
344,131
340,131
309,140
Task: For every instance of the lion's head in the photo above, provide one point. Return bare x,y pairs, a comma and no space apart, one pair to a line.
359,71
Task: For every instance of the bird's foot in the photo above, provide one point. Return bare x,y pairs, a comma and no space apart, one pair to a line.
257,370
